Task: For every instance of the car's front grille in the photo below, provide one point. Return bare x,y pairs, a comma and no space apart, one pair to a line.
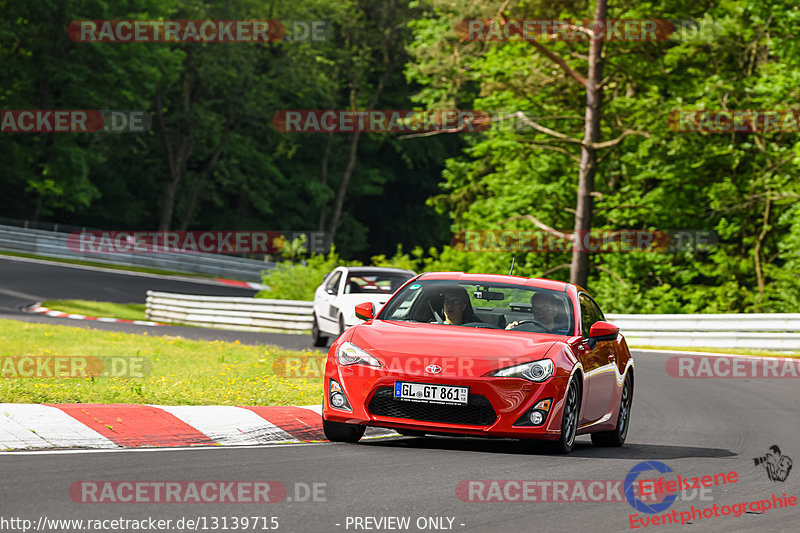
478,412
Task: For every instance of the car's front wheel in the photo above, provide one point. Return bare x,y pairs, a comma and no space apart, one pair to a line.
340,432
616,438
569,421
316,335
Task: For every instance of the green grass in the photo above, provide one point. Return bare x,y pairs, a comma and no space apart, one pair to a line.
184,372
98,309
736,351
106,265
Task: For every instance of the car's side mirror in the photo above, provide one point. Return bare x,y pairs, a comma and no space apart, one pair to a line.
330,291
365,311
603,331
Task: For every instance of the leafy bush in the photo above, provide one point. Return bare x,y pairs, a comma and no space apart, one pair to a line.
298,276
298,281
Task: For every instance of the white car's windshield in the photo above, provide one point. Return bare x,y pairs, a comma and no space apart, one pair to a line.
483,305
369,283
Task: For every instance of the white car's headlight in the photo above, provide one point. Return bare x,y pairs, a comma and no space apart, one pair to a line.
350,354
537,371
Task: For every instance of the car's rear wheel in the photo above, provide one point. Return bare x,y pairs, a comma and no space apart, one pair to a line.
569,421
316,335
616,438
340,432
341,325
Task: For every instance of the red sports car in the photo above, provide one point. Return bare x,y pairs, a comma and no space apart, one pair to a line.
482,355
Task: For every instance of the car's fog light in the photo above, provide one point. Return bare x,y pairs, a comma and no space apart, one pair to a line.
537,415
337,399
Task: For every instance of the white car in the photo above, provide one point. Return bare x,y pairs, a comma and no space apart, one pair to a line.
343,289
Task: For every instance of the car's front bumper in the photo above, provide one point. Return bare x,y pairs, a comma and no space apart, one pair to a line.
369,393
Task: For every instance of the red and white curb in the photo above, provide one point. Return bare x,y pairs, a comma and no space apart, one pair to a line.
37,308
242,284
91,425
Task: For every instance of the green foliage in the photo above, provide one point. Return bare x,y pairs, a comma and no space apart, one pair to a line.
406,191
742,186
298,281
217,96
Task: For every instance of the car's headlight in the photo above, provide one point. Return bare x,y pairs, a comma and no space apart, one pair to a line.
537,371
350,354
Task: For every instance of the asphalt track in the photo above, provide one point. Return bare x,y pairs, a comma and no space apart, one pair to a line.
697,427
23,282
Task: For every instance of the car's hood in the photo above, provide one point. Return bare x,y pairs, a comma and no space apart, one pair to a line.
411,346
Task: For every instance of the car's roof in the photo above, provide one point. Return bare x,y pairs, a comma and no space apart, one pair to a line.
498,278
379,270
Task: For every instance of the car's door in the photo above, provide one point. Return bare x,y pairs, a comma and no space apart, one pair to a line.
328,310
598,364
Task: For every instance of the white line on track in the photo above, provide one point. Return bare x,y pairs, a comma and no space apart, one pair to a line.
185,448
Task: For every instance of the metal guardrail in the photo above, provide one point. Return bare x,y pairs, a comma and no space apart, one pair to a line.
54,244
225,312
765,331
768,331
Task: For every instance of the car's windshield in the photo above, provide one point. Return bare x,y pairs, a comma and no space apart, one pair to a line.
370,283
483,305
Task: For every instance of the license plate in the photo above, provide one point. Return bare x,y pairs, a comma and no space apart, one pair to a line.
429,393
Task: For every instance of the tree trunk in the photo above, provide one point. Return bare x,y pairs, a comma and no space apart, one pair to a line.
201,180
176,159
323,179
348,172
760,282
388,62
579,268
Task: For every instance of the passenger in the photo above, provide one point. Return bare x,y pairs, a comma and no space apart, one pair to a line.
457,309
549,310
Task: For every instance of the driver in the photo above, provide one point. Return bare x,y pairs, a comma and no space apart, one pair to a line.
547,309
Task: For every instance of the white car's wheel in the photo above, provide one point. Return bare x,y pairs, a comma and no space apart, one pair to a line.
316,335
